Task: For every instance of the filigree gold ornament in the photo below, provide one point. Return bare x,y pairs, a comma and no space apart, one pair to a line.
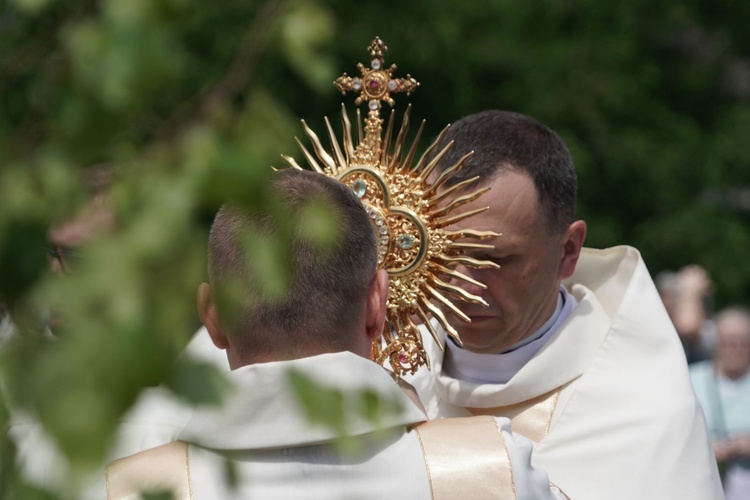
408,211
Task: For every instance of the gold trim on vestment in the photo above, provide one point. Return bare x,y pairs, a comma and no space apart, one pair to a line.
466,458
187,470
106,480
164,468
530,418
427,466
553,485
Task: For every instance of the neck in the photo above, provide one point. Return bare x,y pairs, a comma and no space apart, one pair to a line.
270,357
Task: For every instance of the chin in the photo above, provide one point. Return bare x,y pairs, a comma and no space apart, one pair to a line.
490,337
478,341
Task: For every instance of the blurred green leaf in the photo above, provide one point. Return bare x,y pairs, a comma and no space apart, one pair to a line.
317,224
154,495
198,383
31,6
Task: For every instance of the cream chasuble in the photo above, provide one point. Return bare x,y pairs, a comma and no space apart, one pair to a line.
277,453
607,398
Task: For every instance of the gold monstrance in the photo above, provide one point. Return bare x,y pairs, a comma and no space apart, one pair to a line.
408,209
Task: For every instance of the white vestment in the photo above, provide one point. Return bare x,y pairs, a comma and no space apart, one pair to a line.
276,452
607,398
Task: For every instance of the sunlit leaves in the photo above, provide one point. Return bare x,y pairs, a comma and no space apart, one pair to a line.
127,308
31,6
126,55
197,382
305,29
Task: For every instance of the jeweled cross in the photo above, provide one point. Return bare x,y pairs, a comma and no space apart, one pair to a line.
375,83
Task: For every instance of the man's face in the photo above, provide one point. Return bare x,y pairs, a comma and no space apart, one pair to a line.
522,294
733,344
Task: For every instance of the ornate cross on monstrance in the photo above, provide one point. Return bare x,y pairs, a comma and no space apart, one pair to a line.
376,84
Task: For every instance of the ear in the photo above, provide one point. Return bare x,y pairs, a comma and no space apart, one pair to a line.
572,242
209,316
377,296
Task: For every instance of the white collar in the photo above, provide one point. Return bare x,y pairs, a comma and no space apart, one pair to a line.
499,368
262,411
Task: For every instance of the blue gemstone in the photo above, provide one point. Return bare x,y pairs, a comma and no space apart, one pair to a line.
360,188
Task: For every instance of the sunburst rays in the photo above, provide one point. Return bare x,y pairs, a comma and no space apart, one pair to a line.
430,289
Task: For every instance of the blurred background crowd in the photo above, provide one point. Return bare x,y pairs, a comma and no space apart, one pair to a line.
717,350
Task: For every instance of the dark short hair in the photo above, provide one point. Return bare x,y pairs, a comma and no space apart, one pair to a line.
327,287
504,140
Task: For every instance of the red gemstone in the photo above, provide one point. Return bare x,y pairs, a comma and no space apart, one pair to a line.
402,358
374,84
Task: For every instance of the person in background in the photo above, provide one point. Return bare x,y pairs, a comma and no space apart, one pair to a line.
723,388
687,297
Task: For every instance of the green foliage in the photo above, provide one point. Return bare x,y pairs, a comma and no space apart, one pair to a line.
129,88
163,495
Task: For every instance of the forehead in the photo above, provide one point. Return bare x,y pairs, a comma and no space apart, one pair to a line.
513,202
734,326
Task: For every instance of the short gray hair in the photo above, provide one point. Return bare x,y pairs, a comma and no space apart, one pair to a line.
327,288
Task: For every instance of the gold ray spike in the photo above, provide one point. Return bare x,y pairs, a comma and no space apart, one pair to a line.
360,136
318,147
427,170
388,333
461,200
469,261
441,269
459,292
448,173
347,135
430,150
406,165
447,221
387,139
428,325
453,189
291,161
340,160
438,315
447,303
310,158
465,245
399,145
471,233
401,200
